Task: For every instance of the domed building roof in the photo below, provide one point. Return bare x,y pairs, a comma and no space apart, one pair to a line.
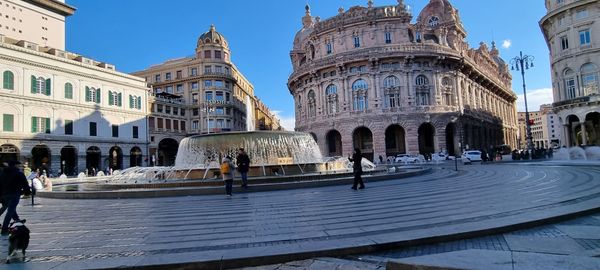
438,12
212,37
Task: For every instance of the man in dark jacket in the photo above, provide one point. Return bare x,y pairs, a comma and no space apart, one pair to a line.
12,184
357,168
243,165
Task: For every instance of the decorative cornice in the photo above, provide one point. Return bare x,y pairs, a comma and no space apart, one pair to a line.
54,6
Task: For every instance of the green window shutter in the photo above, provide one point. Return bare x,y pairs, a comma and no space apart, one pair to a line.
68,91
111,99
9,80
88,96
48,87
8,122
139,103
98,95
120,100
33,84
47,125
34,124
131,102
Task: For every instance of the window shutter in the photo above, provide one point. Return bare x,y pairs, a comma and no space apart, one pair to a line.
87,94
98,95
111,99
120,100
131,102
47,126
33,84
68,91
139,103
34,124
8,122
48,87
9,80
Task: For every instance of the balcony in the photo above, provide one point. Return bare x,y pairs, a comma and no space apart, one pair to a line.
222,75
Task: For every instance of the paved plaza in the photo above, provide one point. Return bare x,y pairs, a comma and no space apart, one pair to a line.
385,220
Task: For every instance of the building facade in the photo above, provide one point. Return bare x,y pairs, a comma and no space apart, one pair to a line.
60,111
545,128
202,94
573,36
39,21
369,79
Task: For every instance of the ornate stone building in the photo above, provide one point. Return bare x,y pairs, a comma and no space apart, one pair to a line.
369,79
204,93
573,36
59,110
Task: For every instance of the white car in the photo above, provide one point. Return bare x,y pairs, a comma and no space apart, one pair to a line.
471,156
405,158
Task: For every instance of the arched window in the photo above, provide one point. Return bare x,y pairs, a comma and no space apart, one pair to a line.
332,99
8,79
570,87
422,90
434,21
589,79
391,85
312,104
359,95
448,91
68,91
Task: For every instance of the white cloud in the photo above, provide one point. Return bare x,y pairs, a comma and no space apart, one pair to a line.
535,98
506,43
288,122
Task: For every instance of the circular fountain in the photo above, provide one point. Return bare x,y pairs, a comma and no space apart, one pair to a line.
578,153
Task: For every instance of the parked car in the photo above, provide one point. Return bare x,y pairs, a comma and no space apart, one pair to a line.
439,156
405,158
471,156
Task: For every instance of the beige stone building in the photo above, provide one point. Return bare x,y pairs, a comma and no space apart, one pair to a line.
39,21
202,94
367,78
545,130
573,36
60,110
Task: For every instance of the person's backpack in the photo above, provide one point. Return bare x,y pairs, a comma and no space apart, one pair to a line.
225,167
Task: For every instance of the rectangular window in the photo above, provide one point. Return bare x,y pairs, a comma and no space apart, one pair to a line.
136,132
195,112
8,122
218,54
207,54
151,123
68,127
219,96
182,124
93,129
219,84
176,124
159,123
169,89
194,72
219,111
356,42
182,112
157,78
329,48
168,109
388,37
584,37
564,42
178,74
194,86
207,70
168,124
195,125
40,125
207,83
115,131
195,98
180,88
208,96
168,76
175,111
159,108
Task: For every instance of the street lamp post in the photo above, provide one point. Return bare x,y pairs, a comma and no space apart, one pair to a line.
521,63
208,109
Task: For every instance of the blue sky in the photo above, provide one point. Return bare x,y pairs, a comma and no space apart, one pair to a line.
136,34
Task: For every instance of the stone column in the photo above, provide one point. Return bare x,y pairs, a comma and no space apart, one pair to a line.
573,134
583,133
565,140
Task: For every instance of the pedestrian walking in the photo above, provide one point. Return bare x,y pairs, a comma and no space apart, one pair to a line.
243,165
227,174
12,184
357,168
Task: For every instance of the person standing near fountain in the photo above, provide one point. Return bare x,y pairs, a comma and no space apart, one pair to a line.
357,168
227,173
243,165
